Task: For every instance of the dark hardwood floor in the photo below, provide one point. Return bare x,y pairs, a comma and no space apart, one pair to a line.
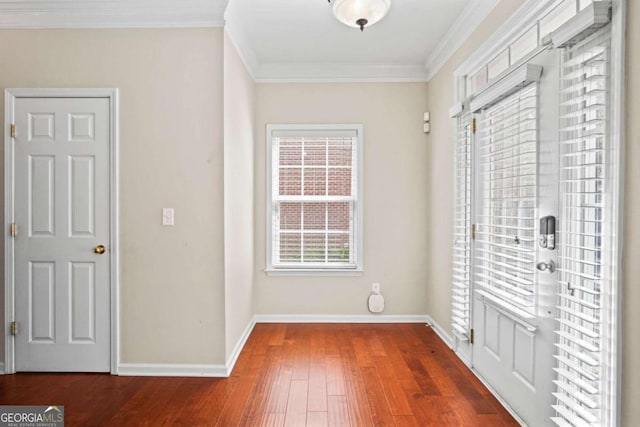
287,375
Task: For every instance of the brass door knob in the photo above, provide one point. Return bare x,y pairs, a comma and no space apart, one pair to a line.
99,249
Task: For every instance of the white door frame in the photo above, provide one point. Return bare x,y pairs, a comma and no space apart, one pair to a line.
10,96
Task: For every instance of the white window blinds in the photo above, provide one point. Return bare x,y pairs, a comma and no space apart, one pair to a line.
462,228
507,160
585,208
314,197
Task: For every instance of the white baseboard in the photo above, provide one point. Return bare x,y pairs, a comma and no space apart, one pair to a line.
180,370
444,336
171,370
2,371
322,318
233,358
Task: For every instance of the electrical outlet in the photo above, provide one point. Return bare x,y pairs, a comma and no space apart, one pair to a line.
168,216
375,287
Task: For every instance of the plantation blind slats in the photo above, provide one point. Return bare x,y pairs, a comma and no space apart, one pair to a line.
507,161
580,373
462,228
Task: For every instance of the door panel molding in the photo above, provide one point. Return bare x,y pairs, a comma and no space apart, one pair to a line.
84,131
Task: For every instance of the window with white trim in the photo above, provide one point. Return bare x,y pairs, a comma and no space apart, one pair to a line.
461,291
314,198
584,380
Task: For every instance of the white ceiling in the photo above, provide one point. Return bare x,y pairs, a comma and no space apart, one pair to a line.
288,40
307,31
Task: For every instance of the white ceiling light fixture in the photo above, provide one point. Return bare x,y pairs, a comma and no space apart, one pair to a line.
360,13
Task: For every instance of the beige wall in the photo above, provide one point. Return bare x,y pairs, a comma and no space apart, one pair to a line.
395,196
239,100
441,163
170,81
631,238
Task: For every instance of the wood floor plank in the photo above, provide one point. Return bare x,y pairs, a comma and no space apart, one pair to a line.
393,345
359,411
362,354
302,375
434,368
374,344
380,411
278,332
338,414
279,392
272,420
425,408
296,414
393,388
335,376
317,419
210,399
318,386
406,421
234,409
301,357
147,406
317,372
335,338
259,395
260,339
421,376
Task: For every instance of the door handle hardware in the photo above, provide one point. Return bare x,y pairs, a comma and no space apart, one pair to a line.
549,266
100,249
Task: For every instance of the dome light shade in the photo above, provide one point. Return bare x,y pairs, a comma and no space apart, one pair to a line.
360,13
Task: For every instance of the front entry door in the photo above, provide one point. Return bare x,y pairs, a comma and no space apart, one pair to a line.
62,251
514,289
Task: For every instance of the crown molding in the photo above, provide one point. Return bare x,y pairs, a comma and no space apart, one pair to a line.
112,14
239,40
471,17
339,73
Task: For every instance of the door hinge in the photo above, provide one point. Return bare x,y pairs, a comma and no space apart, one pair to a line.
13,131
14,328
471,336
473,231
14,229
474,126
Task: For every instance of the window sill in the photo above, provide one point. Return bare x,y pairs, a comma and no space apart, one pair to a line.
311,272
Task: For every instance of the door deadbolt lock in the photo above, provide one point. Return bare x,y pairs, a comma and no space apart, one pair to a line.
100,249
548,232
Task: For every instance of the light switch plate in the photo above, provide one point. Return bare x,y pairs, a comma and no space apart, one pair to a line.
168,216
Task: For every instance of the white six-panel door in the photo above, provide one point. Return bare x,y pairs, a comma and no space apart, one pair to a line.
514,302
61,205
